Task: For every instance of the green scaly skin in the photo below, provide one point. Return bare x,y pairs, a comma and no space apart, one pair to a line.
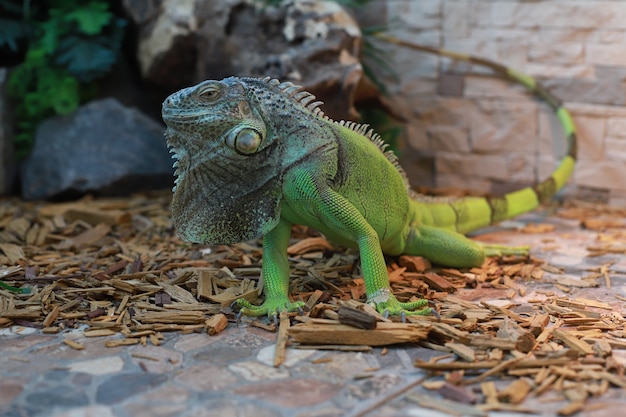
255,156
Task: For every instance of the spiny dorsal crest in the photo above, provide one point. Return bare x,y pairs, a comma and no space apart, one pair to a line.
303,97
306,99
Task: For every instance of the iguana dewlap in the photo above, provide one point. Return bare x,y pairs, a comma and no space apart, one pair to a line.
255,156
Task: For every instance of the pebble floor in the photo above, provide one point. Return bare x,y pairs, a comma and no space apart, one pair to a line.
231,374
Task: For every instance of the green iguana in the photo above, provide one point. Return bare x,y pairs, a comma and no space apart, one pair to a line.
255,156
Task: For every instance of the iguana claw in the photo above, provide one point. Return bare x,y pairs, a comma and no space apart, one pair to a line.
270,307
386,304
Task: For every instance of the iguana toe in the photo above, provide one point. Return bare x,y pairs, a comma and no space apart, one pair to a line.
270,307
386,304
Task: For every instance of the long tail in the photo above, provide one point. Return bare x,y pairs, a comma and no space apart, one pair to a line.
471,213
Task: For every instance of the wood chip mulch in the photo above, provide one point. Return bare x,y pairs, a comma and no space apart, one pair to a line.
115,267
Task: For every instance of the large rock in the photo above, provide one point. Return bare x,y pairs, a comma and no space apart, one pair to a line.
311,43
7,157
103,147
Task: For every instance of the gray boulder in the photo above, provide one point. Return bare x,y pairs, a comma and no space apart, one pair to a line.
104,147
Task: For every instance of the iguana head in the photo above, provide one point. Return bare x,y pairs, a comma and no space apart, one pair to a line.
227,187
233,141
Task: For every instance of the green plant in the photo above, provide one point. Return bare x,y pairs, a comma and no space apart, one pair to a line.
71,43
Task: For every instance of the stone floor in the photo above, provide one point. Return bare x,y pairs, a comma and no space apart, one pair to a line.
231,374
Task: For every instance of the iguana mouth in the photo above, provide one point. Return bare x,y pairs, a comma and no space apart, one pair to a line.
177,116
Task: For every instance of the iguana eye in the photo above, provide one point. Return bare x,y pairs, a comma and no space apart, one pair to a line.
245,141
209,92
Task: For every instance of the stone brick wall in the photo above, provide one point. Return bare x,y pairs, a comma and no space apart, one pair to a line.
468,130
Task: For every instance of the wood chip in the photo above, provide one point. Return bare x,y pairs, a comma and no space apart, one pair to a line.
341,334
281,340
573,342
216,324
99,333
13,252
73,344
515,392
357,318
462,351
309,245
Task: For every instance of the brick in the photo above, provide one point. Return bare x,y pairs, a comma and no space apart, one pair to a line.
450,84
419,168
600,91
616,74
554,36
472,165
562,52
616,126
590,135
476,185
423,14
417,137
441,111
501,125
491,87
600,174
616,150
448,138
596,110
414,72
521,167
551,70
612,54
512,53
564,13
456,18
610,36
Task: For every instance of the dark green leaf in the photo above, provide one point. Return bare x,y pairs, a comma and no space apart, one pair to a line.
85,58
91,18
11,31
50,33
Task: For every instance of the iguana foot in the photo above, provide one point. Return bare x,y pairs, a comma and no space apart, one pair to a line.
271,307
386,304
500,250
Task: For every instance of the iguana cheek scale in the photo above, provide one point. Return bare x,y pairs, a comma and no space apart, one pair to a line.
255,156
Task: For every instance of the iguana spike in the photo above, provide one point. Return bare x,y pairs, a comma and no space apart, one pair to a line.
317,111
315,106
272,81
285,85
291,91
304,97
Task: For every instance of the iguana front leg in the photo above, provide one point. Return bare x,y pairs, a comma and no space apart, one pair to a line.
330,210
275,273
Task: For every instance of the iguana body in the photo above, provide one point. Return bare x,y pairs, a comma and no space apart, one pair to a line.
255,156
